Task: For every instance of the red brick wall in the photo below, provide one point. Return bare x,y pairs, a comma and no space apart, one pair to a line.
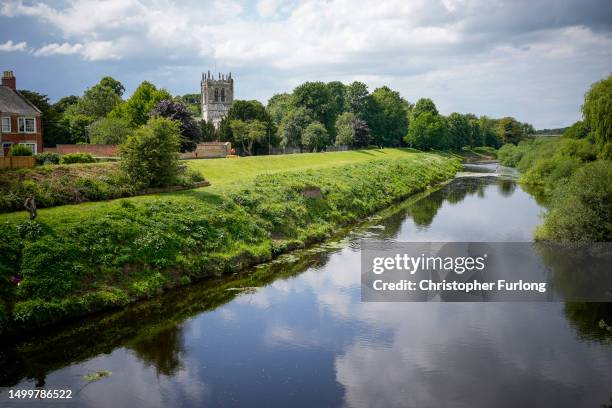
96,150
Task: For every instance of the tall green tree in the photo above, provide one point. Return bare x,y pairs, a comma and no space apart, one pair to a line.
278,106
248,133
488,129
113,84
97,102
424,105
357,99
597,111
292,126
458,131
509,130
136,109
389,119
316,98
428,131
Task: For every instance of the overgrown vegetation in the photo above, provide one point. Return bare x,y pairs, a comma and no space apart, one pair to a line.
573,172
86,261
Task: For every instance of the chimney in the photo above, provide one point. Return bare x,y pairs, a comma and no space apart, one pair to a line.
9,80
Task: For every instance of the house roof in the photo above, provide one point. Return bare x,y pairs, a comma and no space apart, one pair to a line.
13,102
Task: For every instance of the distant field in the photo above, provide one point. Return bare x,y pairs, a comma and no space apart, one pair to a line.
223,174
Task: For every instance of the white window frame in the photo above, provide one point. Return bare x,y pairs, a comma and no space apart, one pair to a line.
22,124
4,120
32,145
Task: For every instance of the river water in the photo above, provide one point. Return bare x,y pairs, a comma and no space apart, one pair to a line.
295,333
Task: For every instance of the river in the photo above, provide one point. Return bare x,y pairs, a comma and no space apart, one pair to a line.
295,333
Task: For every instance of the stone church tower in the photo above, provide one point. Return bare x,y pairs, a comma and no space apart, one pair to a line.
217,97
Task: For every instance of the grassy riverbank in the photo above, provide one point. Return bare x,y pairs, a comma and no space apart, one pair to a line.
78,259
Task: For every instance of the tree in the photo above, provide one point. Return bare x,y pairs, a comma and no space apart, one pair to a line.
247,133
458,131
345,133
389,119
427,131
109,131
137,108
278,106
509,130
193,103
352,131
424,105
150,156
113,84
597,111
578,130
54,131
64,103
208,131
357,99
76,126
527,129
247,111
97,101
488,131
316,98
315,136
190,131
292,126
338,95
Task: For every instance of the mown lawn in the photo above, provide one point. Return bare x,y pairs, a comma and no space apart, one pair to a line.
224,174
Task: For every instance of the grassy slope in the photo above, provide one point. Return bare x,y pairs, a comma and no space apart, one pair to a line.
82,258
224,175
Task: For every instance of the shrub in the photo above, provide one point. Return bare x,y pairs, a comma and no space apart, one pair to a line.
581,208
72,158
20,150
47,158
150,157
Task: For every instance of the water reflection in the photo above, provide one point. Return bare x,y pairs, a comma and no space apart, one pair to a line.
303,338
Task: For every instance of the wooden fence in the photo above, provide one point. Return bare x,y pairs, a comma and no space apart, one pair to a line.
17,162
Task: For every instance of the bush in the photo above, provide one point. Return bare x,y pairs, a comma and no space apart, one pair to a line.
581,209
20,150
47,158
150,157
72,158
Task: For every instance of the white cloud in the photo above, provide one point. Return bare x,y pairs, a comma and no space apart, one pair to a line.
402,44
58,49
10,46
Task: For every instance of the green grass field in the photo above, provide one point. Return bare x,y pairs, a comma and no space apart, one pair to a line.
224,174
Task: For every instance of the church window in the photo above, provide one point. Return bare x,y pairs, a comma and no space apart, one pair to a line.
216,95
222,95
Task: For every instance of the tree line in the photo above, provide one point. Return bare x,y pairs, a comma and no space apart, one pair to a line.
314,116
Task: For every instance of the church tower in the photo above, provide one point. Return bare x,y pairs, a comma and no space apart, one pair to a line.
217,97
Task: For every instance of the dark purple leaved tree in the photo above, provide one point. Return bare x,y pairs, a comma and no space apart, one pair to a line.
190,131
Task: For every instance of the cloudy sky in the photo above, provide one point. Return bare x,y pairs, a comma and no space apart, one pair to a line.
525,58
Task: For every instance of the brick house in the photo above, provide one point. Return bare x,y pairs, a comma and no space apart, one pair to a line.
20,121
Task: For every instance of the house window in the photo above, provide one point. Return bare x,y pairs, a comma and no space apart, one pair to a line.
27,125
32,146
6,125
